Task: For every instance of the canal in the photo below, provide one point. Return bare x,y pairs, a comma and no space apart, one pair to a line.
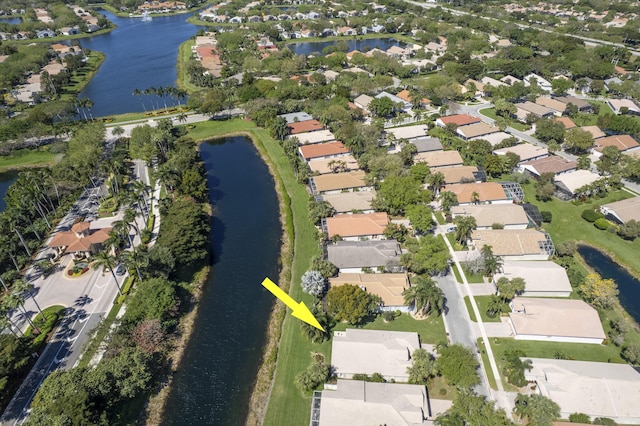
214,381
628,285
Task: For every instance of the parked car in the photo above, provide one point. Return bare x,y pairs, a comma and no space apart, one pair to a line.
120,269
452,228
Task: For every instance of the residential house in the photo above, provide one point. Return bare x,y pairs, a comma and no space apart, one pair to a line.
566,122
543,278
510,80
408,132
357,227
477,130
398,52
595,131
462,174
570,182
510,216
583,106
457,119
359,351
597,389
388,287
347,31
338,182
67,31
436,159
318,136
426,144
345,163
543,83
622,211
351,202
396,100
475,193
523,109
618,106
363,102
304,126
45,33
526,152
352,256
359,403
553,104
622,142
406,96
491,82
515,244
555,320
334,149
550,164
493,138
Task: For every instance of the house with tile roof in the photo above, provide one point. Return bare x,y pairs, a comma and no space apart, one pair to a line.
550,164
543,278
436,159
622,211
566,122
388,287
483,192
525,108
515,244
318,136
346,163
350,202
357,227
352,256
511,216
304,126
622,142
325,150
477,130
553,104
406,96
461,174
570,182
408,132
331,183
526,152
457,119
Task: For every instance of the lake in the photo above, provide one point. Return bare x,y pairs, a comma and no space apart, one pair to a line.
6,180
215,379
628,285
139,55
316,47
11,20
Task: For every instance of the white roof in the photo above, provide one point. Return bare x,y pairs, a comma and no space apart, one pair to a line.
315,137
525,151
598,389
358,403
576,179
373,351
539,275
409,132
493,138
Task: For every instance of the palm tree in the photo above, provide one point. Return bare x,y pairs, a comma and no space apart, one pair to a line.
464,226
315,334
447,200
121,229
6,322
424,295
15,300
8,246
130,217
492,264
436,181
136,259
475,197
108,262
182,117
23,287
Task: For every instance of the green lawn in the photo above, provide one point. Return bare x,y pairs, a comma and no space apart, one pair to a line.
592,119
183,78
483,303
471,278
454,243
491,113
574,351
487,365
26,157
568,225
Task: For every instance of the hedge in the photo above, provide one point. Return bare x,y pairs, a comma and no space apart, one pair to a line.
601,224
591,215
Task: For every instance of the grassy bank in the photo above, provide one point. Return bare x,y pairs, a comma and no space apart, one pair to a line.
26,158
184,56
483,304
82,77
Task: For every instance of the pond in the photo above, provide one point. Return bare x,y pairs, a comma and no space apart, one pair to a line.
6,180
628,285
11,20
316,47
214,381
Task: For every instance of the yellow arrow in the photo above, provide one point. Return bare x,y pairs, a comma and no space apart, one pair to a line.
300,310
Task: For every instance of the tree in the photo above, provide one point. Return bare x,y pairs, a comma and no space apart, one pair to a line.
424,295
579,418
561,85
514,367
148,335
351,303
318,210
396,193
447,200
154,298
464,226
504,108
545,188
105,261
326,268
421,217
423,367
629,230
510,288
491,264
598,291
578,140
458,365
278,128
473,410
381,107
428,255
436,181
316,374
313,283
548,129
315,334
538,409
396,231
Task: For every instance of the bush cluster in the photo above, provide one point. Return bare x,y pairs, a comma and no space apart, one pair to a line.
601,223
591,215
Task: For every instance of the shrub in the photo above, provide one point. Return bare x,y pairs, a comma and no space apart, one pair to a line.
604,421
546,216
591,215
579,418
601,224
388,316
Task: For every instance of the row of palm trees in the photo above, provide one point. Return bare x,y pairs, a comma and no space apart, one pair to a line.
175,94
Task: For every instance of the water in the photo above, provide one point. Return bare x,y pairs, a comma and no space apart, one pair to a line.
316,47
215,379
6,180
628,285
139,55
11,21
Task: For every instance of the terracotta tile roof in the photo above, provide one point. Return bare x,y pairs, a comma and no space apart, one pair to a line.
388,286
553,104
595,131
318,150
459,119
439,158
321,165
455,174
70,240
510,242
550,164
568,123
355,225
487,191
304,126
622,142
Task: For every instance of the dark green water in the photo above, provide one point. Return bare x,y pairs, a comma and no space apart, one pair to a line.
213,384
628,285
6,180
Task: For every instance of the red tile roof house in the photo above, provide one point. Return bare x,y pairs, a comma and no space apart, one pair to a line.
304,126
80,239
356,227
458,120
622,142
323,150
